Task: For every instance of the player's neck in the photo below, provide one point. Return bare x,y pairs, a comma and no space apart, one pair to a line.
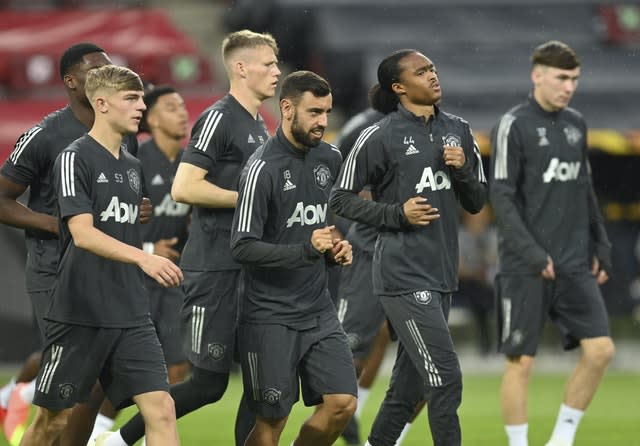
82,113
247,99
107,137
171,147
419,110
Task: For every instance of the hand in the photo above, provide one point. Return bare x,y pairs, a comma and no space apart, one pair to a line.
146,210
322,239
454,156
163,270
163,248
601,275
419,212
548,272
342,253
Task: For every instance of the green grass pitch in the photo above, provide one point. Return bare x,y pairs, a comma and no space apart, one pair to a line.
613,418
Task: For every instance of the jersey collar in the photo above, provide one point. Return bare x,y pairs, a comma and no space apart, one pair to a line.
402,111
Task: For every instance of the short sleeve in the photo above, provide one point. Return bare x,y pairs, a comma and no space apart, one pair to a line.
28,157
72,180
209,140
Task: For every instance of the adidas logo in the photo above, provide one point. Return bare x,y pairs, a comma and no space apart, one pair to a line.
102,178
288,185
411,150
157,180
250,140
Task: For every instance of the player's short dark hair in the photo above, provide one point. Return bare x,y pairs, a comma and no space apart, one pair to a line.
151,96
299,82
74,55
381,95
555,54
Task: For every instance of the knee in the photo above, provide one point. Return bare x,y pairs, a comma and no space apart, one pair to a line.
520,366
598,352
50,424
342,407
158,410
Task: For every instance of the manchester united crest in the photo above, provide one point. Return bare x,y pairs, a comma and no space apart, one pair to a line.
271,396
216,351
573,135
322,176
422,297
66,390
451,139
134,180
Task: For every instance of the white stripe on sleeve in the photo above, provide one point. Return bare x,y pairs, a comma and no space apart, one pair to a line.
502,146
22,143
348,176
246,206
208,129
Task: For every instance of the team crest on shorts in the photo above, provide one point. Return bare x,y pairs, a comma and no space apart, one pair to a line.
422,297
134,180
216,351
452,140
271,396
516,337
322,176
353,340
66,390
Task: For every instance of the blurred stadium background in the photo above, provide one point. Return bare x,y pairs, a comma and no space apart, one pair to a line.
481,49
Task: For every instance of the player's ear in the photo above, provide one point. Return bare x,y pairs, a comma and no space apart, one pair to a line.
240,69
286,108
69,81
398,88
100,104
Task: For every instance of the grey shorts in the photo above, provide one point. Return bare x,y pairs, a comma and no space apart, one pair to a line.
40,305
524,301
359,310
276,358
166,304
127,361
210,318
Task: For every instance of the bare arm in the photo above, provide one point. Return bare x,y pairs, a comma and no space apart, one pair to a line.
15,214
88,237
191,187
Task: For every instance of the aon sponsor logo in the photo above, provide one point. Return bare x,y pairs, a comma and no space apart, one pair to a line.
120,212
561,171
434,181
170,208
308,215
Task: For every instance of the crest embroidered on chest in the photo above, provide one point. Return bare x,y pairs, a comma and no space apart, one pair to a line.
322,176
134,180
573,135
451,139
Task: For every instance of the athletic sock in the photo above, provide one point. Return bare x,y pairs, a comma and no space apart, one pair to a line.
517,434
363,395
405,431
114,439
566,424
102,424
5,392
28,392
